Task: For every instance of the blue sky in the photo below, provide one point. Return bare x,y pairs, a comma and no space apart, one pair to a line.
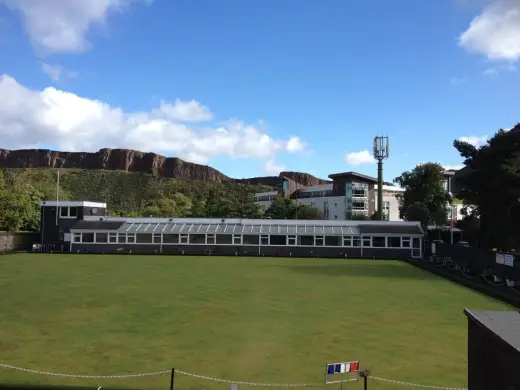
253,87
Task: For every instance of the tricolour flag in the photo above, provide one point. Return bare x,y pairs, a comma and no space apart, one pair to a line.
341,368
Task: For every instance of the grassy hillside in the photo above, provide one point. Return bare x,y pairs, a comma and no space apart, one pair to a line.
132,193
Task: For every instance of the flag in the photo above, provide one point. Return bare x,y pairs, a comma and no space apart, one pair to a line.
341,368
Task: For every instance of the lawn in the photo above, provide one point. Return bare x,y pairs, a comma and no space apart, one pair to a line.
251,319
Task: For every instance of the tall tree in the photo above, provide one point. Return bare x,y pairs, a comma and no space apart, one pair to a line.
20,208
490,182
281,208
425,185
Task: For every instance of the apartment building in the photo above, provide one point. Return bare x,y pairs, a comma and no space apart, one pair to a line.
348,196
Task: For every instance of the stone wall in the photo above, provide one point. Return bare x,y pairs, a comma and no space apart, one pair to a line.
20,241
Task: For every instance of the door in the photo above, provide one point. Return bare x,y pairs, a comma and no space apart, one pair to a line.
416,248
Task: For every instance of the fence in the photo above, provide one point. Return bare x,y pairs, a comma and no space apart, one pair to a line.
365,377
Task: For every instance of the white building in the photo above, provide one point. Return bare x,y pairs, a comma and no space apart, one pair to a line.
349,195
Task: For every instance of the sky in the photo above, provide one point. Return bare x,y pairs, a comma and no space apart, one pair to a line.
255,87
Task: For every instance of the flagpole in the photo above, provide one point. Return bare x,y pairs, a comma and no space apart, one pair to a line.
57,197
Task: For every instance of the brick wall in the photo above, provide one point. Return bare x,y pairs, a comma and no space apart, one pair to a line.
21,241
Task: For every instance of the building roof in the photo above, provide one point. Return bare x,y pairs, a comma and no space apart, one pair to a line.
389,228
358,175
97,225
227,228
73,203
504,324
246,226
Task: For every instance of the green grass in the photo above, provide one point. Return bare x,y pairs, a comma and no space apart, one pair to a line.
252,319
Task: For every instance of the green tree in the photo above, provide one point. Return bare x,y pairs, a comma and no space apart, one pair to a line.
424,184
281,208
20,208
417,211
176,206
308,212
490,182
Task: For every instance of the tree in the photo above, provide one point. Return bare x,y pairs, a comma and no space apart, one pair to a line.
490,181
176,206
281,208
308,212
20,208
424,184
417,211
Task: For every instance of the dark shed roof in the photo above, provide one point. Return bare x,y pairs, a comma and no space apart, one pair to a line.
505,324
97,225
390,229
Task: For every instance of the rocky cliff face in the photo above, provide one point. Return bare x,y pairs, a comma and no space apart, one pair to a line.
134,161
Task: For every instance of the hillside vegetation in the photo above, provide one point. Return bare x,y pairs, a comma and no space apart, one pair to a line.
133,194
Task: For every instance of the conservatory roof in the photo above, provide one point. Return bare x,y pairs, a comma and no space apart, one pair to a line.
234,228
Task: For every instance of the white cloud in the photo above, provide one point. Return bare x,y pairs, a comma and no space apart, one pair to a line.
474,140
454,167
495,32
74,123
295,144
62,25
57,72
358,158
272,168
191,111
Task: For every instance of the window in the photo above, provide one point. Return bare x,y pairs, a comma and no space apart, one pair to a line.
224,239
210,239
237,239
332,240
359,206
68,212
291,240
183,238
313,205
306,240
250,239
379,242
170,238
121,238
386,208
347,241
276,239
405,242
264,239
335,217
87,237
394,242
359,192
197,239
356,241
112,237
157,238
76,237
101,237
319,241
143,238
130,238
367,242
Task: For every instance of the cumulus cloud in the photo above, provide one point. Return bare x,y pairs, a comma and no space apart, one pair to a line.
62,26
73,123
359,158
57,72
191,111
474,140
495,32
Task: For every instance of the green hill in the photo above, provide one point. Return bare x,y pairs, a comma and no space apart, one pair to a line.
134,194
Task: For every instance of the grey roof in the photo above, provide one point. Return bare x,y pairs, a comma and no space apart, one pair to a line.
97,225
390,228
235,228
505,324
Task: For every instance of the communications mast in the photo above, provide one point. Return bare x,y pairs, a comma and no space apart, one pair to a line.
381,152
